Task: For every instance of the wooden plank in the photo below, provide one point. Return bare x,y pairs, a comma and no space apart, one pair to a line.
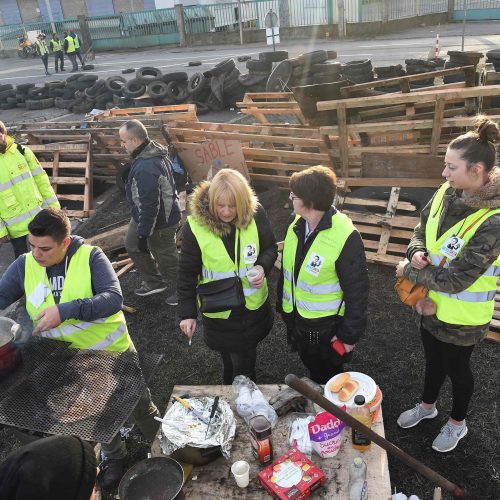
437,125
110,240
414,97
401,165
124,269
392,181
343,137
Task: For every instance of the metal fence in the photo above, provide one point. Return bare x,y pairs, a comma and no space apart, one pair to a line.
373,10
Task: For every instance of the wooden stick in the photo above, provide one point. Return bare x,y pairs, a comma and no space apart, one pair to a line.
129,309
125,269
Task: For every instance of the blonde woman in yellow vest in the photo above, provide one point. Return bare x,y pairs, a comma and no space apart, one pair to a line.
73,295
227,225
323,290
455,253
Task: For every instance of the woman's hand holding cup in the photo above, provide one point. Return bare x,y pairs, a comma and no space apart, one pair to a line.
256,276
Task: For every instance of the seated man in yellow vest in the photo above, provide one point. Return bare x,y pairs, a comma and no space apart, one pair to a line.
73,295
24,190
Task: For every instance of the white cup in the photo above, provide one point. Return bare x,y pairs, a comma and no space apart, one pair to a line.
252,274
241,472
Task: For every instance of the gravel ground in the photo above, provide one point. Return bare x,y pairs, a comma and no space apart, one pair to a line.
390,352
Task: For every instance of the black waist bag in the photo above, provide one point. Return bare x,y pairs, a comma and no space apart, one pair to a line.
221,295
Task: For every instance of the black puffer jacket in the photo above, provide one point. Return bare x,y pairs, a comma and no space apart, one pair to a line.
353,277
151,191
243,327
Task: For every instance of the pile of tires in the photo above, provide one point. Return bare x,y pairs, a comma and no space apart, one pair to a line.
8,99
316,67
458,59
493,57
358,71
416,66
225,86
385,72
258,73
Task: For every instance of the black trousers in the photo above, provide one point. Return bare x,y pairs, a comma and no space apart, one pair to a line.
72,58
45,60
321,361
20,245
441,360
239,363
59,59
79,55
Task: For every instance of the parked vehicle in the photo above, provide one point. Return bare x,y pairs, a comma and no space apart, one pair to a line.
26,48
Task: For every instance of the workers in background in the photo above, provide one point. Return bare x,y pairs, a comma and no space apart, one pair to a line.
43,51
76,41
24,190
57,49
70,50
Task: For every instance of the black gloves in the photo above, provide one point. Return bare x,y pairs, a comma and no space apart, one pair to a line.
142,244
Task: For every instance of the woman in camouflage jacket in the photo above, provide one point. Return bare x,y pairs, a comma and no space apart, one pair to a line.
454,252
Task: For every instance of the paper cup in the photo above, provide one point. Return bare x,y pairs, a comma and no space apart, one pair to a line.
252,275
241,472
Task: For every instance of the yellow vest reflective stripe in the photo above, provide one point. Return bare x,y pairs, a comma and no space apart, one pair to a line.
217,265
71,44
104,334
42,48
76,41
56,45
317,292
474,305
20,198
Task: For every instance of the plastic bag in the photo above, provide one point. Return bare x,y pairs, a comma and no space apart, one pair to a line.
250,401
298,434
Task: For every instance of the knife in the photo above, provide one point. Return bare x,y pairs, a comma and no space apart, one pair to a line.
195,412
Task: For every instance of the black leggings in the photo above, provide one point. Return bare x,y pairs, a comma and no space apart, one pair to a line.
443,359
239,363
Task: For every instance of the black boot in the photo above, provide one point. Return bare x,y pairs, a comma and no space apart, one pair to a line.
113,470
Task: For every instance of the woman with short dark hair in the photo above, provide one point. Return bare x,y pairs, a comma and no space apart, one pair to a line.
323,289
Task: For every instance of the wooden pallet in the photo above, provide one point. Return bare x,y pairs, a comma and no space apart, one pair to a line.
384,225
494,333
185,112
272,153
69,167
431,129
262,105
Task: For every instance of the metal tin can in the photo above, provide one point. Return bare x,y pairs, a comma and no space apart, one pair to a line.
260,438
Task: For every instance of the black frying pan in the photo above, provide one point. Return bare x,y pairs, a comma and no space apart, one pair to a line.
157,478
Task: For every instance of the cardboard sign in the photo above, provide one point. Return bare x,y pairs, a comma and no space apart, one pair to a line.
204,160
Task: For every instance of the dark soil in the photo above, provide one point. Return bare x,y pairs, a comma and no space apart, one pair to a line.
390,352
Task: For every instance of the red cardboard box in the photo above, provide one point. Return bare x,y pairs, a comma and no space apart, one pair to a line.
292,476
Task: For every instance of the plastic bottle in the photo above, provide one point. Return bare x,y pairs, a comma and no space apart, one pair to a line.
358,488
361,412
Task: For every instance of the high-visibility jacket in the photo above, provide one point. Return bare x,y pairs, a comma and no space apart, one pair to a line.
316,293
41,48
71,45
217,265
474,305
105,334
24,190
56,45
76,40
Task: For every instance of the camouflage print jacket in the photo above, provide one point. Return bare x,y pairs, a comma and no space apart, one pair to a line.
481,251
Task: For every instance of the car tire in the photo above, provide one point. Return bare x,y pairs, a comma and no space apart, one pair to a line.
276,56
225,66
127,71
157,89
176,91
147,74
196,84
326,68
115,84
133,88
315,57
88,78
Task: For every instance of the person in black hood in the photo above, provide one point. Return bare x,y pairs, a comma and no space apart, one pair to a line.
53,468
154,206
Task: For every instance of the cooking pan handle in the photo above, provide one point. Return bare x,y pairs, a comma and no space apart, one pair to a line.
15,330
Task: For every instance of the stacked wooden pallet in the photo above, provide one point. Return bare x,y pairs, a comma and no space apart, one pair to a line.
185,112
272,153
69,167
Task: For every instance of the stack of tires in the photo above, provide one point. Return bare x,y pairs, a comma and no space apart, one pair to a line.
198,89
384,72
22,94
358,71
458,59
225,86
42,97
493,57
259,70
314,68
8,99
416,66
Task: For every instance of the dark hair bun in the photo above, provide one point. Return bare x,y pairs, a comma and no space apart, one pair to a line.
488,130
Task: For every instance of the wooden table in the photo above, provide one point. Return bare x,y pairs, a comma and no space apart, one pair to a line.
215,480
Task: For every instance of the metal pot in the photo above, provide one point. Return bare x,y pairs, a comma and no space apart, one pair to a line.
9,354
157,478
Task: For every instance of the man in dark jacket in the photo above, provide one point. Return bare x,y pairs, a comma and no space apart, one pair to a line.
153,200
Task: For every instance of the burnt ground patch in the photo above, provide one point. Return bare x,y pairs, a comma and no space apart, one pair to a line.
390,352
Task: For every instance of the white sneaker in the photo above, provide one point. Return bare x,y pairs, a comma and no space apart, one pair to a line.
449,437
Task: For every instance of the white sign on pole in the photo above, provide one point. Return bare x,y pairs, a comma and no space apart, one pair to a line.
272,35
